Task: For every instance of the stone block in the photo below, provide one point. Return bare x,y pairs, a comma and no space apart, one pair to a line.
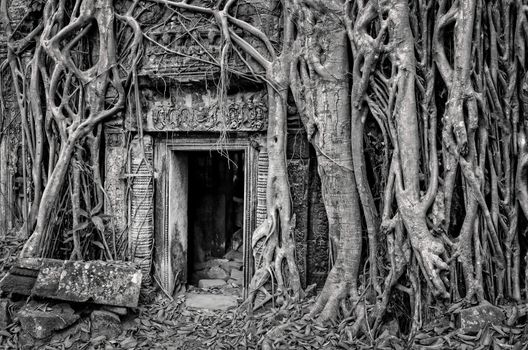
233,255
40,320
19,280
105,323
210,301
210,263
228,266
475,318
238,276
101,282
211,283
217,272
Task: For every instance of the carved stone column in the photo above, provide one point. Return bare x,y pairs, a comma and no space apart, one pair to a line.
141,205
115,188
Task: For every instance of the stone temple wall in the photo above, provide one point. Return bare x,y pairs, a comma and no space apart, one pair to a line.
179,101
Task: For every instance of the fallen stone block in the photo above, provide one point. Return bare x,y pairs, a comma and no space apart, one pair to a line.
477,317
105,323
40,320
217,272
211,283
228,266
210,301
233,255
19,280
238,276
210,263
100,282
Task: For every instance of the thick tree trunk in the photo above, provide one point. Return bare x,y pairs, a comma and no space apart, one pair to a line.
406,136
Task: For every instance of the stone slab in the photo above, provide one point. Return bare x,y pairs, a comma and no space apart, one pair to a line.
238,276
210,301
234,255
475,318
20,279
211,283
99,282
216,272
228,266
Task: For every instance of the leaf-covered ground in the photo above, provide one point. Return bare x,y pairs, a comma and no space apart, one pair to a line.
162,323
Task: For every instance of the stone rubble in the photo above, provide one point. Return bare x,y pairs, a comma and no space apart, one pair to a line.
105,323
41,320
99,294
229,269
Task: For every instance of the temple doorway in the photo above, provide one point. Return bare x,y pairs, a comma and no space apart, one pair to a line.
215,214
207,204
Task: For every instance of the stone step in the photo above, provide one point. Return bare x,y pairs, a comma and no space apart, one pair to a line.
210,301
211,283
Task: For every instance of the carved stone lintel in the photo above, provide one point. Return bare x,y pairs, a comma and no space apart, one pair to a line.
202,110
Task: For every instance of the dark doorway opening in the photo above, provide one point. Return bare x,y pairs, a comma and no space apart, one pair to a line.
215,218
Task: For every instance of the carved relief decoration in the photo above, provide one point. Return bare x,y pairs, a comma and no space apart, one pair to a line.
141,205
200,111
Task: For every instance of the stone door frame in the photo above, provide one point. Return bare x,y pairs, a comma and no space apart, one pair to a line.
164,166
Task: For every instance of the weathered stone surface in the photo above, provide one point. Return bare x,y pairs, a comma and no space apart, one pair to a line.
19,280
234,255
210,263
210,301
477,317
198,110
40,320
101,282
217,272
116,158
211,283
237,276
105,323
5,318
228,266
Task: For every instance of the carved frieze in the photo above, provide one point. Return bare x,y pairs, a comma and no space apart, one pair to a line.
202,111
